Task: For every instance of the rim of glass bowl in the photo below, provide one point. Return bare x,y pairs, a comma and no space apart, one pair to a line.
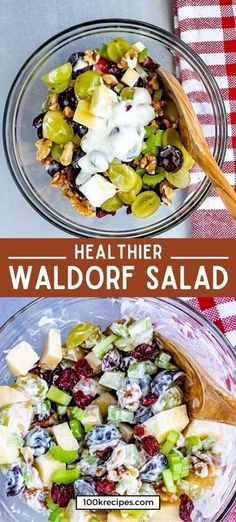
86,29
175,302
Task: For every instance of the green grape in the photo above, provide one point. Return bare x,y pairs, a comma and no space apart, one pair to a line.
86,84
172,137
33,386
56,128
59,75
179,179
129,197
145,204
117,48
122,176
112,204
154,180
170,111
127,93
56,151
60,87
84,334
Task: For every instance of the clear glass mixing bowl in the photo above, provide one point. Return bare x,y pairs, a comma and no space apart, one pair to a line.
174,319
25,101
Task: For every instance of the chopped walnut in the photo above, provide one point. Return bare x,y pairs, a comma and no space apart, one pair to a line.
169,124
130,59
153,82
202,465
129,396
91,56
157,106
67,154
45,423
155,123
149,162
68,112
43,148
167,192
59,179
79,203
52,101
110,79
117,458
165,495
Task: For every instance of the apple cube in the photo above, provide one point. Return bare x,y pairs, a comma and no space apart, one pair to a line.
160,424
97,190
92,416
102,100
205,428
9,395
84,117
130,77
46,466
9,452
104,400
65,437
52,350
94,362
21,358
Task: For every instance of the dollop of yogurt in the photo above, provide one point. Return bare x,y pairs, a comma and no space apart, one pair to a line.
119,135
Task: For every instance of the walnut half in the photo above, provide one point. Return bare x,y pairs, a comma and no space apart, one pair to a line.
149,163
91,56
43,148
67,154
79,203
167,192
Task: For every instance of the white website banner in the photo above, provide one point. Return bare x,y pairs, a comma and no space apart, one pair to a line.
151,502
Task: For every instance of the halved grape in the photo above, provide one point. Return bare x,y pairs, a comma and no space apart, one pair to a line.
172,137
112,204
86,84
127,93
179,179
56,151
170,111
117,48
85,334
122,176
129,197
145,204
153,180
60,87
56,128
58,75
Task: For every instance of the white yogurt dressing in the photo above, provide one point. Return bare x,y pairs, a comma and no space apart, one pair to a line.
120,135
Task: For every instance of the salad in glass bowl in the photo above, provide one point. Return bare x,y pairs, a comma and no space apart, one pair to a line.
108,133
103,413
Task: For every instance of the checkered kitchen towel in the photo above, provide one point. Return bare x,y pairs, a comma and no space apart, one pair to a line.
222,312
209,27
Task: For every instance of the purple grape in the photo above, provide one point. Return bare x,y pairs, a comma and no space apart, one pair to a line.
38,124
14,480
151,471
71,175
73,58
53,167
84,488
67,99
79,129
111,360
129,210
171,158
39,440
126,361
149,64
142,414
164,380
78,153
104,434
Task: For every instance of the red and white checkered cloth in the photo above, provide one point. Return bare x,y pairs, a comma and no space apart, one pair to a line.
209,27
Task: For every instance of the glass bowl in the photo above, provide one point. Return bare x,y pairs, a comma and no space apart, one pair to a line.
174,319
24,103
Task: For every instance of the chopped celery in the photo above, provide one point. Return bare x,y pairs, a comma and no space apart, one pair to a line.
140,70
93,519
142,55
101,348
103,51
140,171
58,396
77,429
139,326
138,370
65,476
168,480
61,410
138,46
171,440
163,360
118,88
77,413
168,400
62,455
120,329
42,407
87,427
117,414
193,440
151,181
139,515
150,130
179,466
207,444
114,380
185,468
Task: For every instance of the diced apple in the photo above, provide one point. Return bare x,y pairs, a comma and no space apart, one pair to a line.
17,419
160,424
46,466
21,358
94,362
97,190
130,77
205,428
27,454
9,452
9,395
169,512
93,416
84,116
102,100
104,401
126,431
52,350
65,437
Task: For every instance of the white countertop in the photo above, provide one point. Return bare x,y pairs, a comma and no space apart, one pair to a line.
24,25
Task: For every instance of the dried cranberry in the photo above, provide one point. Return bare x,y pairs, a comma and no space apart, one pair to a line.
150,399
101,66
67,99
139,431
186,507
62,494
128,107
73,58
150,445
67,379
144,352
149,64
112,68
171,158
81,399
83,369
100,213
104,454
105,487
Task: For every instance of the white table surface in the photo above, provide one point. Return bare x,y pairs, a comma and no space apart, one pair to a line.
26,24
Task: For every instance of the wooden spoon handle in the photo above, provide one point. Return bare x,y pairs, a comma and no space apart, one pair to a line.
219,405
218,180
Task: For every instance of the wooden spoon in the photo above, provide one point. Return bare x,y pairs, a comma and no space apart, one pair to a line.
205,398
195,143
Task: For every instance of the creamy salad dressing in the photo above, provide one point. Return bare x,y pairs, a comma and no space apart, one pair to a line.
119,135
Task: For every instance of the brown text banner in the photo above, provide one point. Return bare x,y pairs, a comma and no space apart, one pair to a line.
115,267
